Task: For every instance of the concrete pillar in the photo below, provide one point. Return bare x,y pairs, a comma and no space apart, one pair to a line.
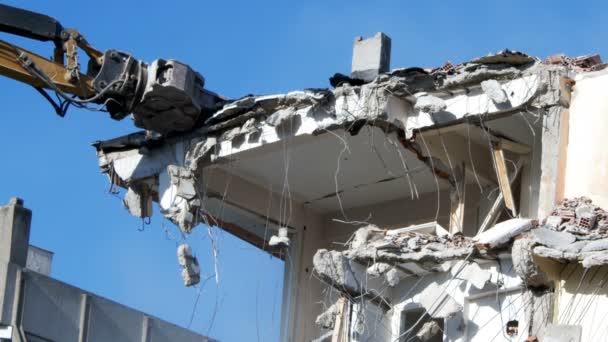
371,57
14,241
15,222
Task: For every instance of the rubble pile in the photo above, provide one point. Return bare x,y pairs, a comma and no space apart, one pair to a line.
580,64
372,244
576,230
578,216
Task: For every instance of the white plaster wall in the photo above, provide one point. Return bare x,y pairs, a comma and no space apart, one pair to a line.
406,211
587,163
485,311
309,298
486,317
584,302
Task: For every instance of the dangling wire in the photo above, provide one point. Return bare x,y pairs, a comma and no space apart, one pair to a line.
60,106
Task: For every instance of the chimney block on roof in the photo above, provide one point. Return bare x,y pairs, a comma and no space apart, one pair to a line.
371,57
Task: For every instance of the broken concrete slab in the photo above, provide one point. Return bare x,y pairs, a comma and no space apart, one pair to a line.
552,238
556,254
503,232
335,269
596,245
506,57
595,259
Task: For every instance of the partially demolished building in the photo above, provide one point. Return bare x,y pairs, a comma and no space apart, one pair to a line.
408,204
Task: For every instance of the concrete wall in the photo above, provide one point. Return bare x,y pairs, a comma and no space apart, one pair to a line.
484,313
54,311
39,260
587,160
406,211
582,299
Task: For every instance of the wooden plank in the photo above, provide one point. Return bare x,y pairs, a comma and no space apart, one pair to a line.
503,177
457,200
492,215
338,335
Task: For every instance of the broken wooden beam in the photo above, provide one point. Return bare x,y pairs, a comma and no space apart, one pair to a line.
502,175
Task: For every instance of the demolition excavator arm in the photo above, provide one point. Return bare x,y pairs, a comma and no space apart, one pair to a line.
163,96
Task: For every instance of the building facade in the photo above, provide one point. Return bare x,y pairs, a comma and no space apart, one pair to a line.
407,203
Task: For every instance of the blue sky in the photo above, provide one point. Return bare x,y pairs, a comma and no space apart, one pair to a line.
241,47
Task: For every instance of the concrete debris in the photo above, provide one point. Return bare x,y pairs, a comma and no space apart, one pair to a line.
279,117
472,273
579,64
281,240
580,216
597,259
236,107
553,222
363,235
507,56
556,254
503,232
178,197
428,330
595,246
285,121
139,203
393,276
494,90
200,153
378,269
525,266
438,303
574,231
372,245
335,269
430,104
339,271
191,273
327,319
575,247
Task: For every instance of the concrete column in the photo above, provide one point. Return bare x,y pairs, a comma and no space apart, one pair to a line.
14,241
553,150
371,57
15,222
